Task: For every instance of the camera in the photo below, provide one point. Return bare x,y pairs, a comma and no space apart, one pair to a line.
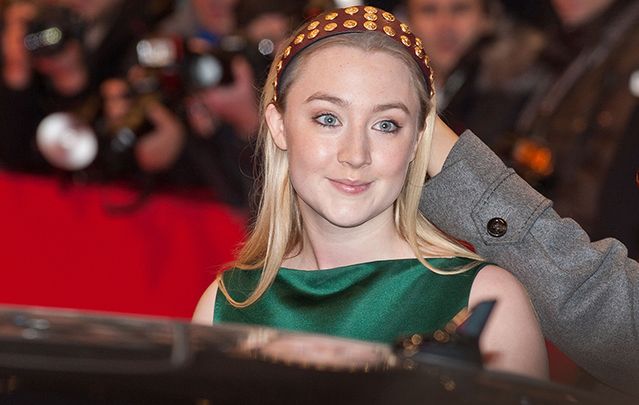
177,65
191,64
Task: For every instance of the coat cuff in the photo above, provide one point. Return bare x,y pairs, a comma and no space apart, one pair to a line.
491,204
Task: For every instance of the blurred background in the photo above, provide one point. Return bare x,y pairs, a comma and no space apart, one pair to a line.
127,129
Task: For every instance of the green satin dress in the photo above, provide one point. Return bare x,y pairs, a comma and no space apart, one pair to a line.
375,301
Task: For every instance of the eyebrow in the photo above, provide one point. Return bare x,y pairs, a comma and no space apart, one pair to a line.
343,103
325,97
391,106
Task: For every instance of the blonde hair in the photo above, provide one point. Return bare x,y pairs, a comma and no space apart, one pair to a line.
277,230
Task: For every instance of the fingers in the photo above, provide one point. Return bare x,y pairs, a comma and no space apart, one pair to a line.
160,116
159,149
443,141
242,71
201,120
219,97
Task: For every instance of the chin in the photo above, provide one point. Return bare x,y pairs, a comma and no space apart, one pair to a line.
352,218
347,220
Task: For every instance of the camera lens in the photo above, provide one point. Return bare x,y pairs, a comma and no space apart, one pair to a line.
206,71
65,142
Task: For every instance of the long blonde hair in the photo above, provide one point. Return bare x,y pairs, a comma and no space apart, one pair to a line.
277,230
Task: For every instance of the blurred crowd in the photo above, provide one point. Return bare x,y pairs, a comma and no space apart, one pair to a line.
157,93
163,93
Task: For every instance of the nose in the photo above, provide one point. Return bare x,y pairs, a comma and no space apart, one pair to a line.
355,149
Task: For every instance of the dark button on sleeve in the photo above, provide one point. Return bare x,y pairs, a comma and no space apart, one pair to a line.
497,227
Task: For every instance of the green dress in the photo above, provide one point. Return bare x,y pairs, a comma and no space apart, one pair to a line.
375,301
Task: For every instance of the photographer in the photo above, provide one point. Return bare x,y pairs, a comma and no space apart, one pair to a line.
223,118
255,28
211,89
51,63
159,144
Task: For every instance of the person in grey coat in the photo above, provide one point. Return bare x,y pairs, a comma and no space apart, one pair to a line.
586,293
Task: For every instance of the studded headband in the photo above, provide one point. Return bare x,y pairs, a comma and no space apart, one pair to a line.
356,19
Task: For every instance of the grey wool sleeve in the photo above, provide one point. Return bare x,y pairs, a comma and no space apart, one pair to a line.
585,293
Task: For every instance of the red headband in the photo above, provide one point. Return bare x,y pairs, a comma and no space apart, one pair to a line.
356,19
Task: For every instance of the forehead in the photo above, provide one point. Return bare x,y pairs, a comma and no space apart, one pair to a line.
354,72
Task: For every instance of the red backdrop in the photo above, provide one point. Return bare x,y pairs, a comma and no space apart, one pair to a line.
61,247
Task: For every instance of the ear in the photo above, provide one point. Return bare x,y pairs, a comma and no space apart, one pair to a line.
275,122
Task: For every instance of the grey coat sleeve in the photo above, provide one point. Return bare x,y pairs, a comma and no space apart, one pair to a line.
586,293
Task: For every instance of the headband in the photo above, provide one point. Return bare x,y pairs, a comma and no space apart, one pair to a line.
356,19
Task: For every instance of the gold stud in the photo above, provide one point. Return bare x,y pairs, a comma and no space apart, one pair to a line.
370,17
371,10
312,25
287,51
388,16
369,25
330,27
299,39
351,10
279,66
389,31
405,28
312,34
275,98
331,16
350,23
419,52
405,40
418,42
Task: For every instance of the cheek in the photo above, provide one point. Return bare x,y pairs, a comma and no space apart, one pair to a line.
307,156
394,163
305,147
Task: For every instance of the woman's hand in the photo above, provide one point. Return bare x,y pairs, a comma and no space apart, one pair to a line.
444,139
160,148
235,103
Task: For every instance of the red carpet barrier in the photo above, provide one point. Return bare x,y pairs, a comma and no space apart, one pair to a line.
61,246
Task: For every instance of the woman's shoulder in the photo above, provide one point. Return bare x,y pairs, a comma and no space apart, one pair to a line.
512,337
204,311
514,308
495,283
494,280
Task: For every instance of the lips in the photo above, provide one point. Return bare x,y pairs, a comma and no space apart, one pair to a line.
350,186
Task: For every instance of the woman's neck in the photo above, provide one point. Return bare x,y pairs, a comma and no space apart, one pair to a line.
327,246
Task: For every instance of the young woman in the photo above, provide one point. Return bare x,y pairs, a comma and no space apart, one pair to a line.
339,246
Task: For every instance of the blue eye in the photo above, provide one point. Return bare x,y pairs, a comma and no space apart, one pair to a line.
327,120
387,126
